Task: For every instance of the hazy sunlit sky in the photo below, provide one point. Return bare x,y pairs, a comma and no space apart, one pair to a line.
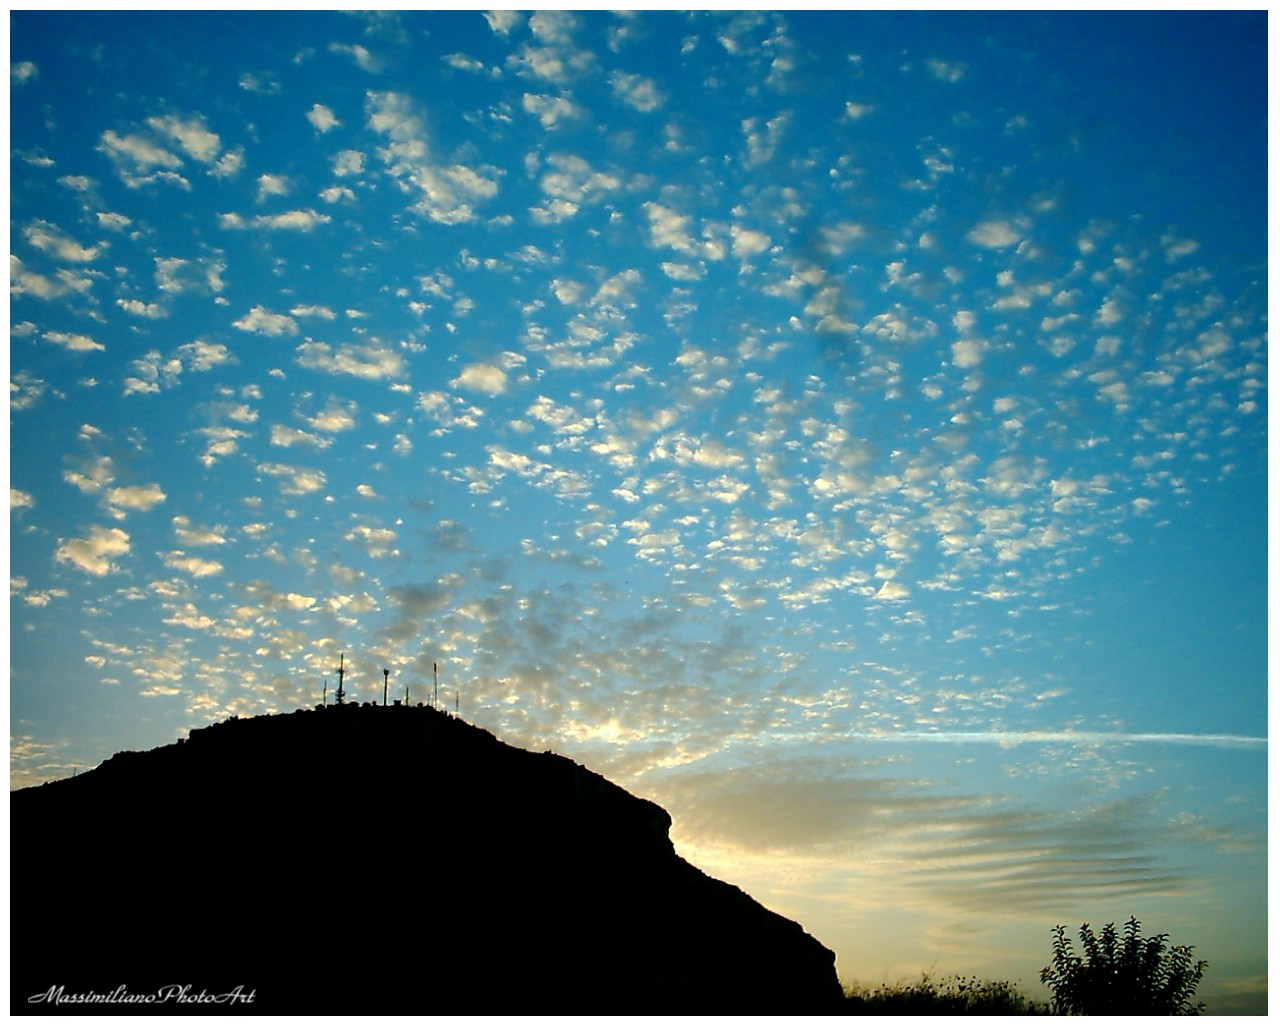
846,430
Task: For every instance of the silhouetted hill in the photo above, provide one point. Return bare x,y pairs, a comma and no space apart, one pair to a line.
374,860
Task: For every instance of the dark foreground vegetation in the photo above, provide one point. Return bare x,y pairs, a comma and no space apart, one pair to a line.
1127,975
1115,974
954,996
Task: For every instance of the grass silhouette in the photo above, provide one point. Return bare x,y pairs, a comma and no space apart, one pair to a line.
948,996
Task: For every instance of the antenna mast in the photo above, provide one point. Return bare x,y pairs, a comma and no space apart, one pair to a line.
385,673
341,672
435,686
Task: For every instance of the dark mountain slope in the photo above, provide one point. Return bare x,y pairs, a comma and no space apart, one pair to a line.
362,859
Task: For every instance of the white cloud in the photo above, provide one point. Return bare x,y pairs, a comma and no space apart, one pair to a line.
192,565
272,185
444,193
322,118
748,242
147,156
54,242
27,282
140,161
286,437
377,540
77,183
74,342
200,276
333,419
113,221
1110,312
191,535
295,480
554,27
995,234
347,163
292,220
947,71
96,553
683,271
321,312
153,371
891,590
1175,247
502,22
461,62
20,499
365,60
482,377
707,452
573,183
553,57
551,111
967,352
192,618
23,71
367,362
259,83
137,499
92,474
190,134
762,144
230,163
569,293
636,91
149,310
553,211
262,321
201,356
448,411
837,238
617,290
669,228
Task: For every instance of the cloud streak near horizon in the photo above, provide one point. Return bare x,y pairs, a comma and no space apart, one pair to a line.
1082,738
700,393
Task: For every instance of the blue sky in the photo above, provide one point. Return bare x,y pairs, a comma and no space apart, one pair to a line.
846,430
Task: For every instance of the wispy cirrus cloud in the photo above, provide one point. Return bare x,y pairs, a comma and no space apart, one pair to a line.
1067,737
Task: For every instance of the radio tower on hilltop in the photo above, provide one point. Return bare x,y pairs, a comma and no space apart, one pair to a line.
341,672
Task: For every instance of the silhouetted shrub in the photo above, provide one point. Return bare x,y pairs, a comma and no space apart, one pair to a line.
955,996
1132,975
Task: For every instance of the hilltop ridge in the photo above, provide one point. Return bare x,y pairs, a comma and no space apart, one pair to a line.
374,859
